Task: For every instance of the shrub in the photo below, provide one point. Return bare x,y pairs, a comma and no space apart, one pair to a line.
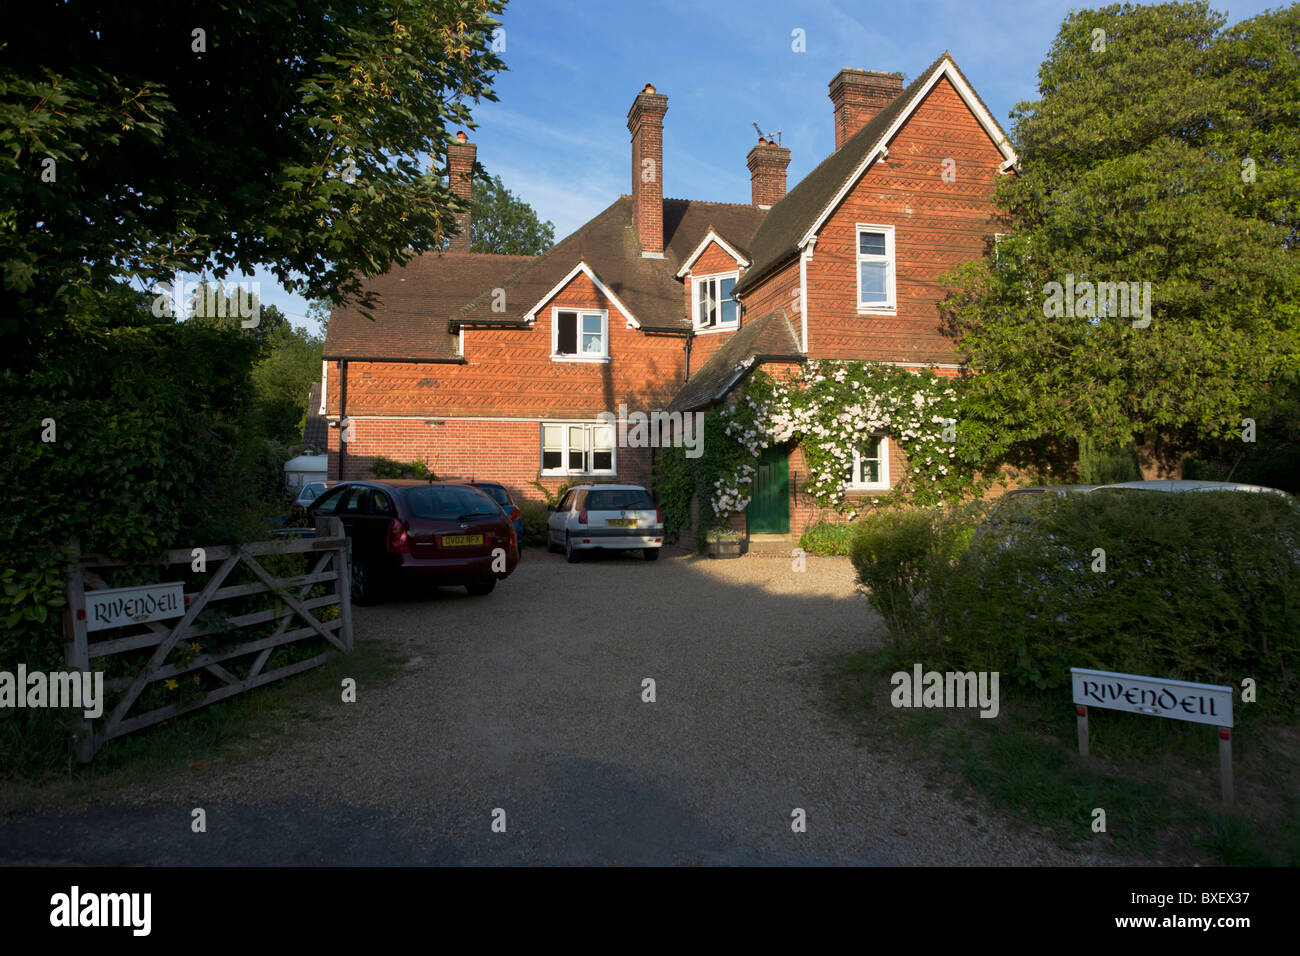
388,468
534,517
828,539
906,557
1201,586
552,497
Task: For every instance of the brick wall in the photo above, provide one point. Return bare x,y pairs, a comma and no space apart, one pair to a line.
778,290
507,452
937,226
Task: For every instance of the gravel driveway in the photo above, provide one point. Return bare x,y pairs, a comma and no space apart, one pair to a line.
529,700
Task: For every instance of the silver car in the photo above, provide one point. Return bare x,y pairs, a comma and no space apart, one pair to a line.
612,517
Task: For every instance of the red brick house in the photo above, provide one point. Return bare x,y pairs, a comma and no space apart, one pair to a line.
500,366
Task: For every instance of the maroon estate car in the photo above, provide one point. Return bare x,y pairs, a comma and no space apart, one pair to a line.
425,533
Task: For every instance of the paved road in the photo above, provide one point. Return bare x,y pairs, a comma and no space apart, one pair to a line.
529,701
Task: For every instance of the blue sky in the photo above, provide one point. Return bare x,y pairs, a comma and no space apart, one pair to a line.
558,135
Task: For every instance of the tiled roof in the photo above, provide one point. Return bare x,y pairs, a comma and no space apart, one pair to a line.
608,245
416,300
770,337
777,239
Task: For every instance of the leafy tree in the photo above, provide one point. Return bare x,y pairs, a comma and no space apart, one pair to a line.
283,379
318,311
502,223
144,140
1164,149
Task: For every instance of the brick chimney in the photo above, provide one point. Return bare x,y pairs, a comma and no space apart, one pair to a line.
858,96
460,171
645,121
767,162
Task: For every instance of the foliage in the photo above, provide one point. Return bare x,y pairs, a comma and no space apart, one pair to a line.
534,517
552,498
832,540
502,223
388,468
1166,152
1106,466
284,378
154,443
310,164
1200,587
827,407
905,559
675,484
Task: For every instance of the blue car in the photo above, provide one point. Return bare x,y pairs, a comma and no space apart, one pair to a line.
498,493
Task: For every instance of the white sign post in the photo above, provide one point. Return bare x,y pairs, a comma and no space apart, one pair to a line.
1154,696
118,607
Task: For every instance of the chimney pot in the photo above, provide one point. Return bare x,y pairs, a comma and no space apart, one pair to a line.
461,137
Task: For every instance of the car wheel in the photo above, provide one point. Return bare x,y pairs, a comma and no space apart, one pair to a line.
363,584
570,554
650,554
481,586
550,543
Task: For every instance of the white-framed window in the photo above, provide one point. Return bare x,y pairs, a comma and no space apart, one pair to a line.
869,469
579,335
577,448
875,267
715,308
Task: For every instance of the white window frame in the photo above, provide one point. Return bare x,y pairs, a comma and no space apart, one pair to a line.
890,305
580,357
881,485
695,302
588,449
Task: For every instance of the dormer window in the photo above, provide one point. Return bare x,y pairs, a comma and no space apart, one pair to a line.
579,336
715,308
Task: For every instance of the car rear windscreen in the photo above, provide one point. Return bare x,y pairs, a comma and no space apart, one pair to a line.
496,492
447,502
622,499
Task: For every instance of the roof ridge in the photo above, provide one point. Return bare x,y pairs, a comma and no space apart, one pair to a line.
711,202
537,261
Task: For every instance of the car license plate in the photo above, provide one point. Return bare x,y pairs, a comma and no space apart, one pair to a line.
461,540
621,522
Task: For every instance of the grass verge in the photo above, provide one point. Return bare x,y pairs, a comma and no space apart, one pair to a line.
245,725
1157,780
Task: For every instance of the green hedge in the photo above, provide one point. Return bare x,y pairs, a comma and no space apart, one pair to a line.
156,446
1202,587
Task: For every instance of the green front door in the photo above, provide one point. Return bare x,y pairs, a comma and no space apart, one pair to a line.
769,508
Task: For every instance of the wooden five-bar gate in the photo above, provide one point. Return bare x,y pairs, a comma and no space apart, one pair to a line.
237,667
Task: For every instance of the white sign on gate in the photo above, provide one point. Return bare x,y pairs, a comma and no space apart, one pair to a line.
1176,699
118,607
